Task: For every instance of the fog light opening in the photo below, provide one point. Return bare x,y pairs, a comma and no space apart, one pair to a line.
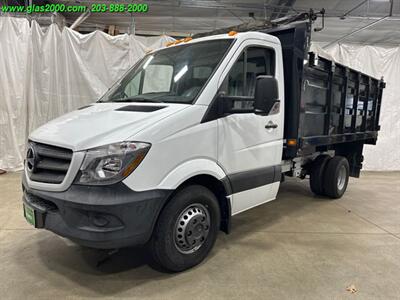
100,220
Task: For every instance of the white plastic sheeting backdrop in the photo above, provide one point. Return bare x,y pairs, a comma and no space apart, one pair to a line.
376,61
47,74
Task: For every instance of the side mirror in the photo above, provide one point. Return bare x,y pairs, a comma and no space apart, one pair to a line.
266,94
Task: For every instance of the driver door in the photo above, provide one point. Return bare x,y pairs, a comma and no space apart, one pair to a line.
250,145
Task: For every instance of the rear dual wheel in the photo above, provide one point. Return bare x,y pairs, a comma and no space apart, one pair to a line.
329,176
336,177
317,174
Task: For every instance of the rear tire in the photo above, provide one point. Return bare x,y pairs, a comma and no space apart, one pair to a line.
336,177
186,230
317,174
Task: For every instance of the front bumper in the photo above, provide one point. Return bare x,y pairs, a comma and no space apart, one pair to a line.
102,217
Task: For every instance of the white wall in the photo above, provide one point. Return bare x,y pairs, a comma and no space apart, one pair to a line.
376,61
46,74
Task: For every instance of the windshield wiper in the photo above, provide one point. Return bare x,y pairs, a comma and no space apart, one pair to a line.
133,99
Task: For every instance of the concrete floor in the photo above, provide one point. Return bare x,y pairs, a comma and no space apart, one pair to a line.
297,247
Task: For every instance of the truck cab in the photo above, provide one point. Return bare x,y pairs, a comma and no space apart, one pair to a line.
190,136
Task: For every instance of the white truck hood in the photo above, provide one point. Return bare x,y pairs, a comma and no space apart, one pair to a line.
102,124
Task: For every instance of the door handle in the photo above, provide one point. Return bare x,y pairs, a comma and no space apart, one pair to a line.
271,125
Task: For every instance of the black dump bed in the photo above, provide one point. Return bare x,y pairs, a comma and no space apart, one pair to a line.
326,103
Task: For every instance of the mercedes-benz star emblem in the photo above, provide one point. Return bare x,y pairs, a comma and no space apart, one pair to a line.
31,159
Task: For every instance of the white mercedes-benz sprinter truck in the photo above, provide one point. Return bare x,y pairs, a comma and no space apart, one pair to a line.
195,133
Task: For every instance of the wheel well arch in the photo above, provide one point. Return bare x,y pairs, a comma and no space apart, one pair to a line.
220,188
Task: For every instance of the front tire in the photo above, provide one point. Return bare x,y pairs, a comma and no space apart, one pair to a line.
336,177
186,230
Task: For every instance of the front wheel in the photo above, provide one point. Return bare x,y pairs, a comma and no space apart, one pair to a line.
186,229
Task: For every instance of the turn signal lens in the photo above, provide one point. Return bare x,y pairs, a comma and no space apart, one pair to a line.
292,142
132,166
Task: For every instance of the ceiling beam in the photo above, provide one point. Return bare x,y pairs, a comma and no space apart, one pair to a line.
80,19
354,8
355,32
374,23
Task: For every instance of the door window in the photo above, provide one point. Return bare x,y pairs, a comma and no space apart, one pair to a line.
241,80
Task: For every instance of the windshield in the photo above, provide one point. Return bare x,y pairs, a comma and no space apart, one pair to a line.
175,74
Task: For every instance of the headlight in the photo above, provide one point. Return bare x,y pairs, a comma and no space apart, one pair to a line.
111,163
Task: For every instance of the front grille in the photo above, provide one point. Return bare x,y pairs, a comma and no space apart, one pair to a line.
47,163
